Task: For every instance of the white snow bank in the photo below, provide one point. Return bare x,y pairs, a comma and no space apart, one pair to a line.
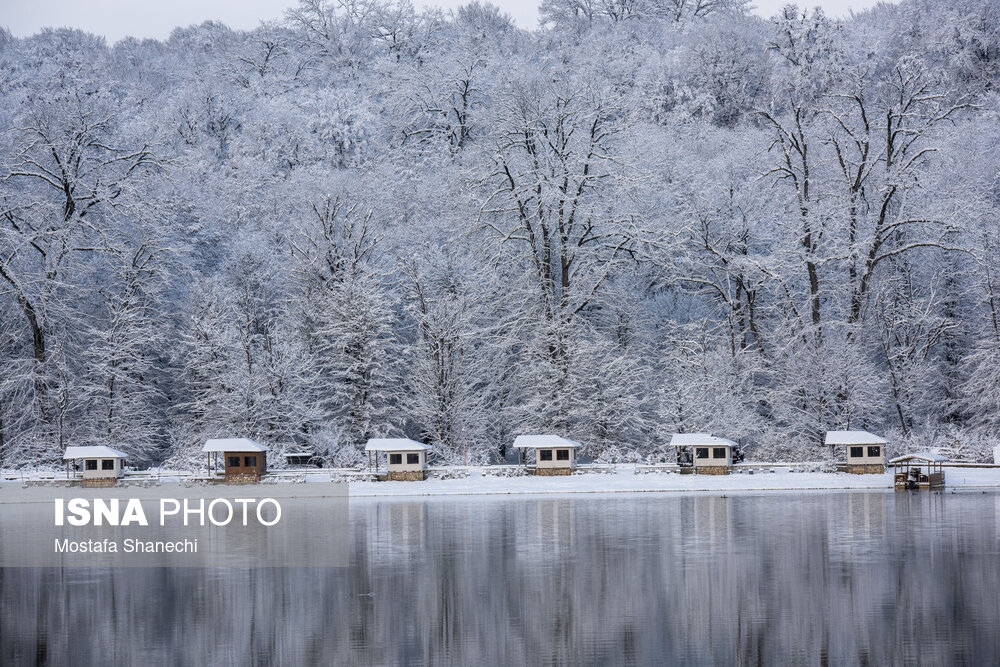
222,445
395,445
624,481
620,479
853,438
544,441
93,452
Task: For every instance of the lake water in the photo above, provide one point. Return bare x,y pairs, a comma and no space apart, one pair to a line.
786,579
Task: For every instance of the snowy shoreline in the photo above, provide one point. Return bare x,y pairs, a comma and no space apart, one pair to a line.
622,480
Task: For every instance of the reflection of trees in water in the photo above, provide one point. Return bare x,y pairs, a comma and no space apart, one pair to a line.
847,578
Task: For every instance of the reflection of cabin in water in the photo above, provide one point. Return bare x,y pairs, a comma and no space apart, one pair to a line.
865,451
554,531
712,522
554,455
862,517
406,524
101,465
918,471
245,460
544,529
711,455
406,460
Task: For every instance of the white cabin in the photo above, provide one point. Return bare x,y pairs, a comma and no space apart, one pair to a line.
406,460
712,455
865,451
97,461
554,455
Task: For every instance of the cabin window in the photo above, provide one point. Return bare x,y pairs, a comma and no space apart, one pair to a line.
544,454
395,459
413,458
875,451
250,461
234,462
107,464
857,452
90,464
562,455
701,452
718,452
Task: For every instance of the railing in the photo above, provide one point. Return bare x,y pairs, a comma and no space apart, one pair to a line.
902,480
646,468
967,464
299,475
598,468
504,470
782,466
449,472
354,475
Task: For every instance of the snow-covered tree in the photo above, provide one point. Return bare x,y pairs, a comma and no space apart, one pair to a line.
368,218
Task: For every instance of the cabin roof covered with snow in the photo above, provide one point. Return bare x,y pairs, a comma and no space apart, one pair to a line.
544,442
853,438
93,452
700,440
919,456
232,445
396,445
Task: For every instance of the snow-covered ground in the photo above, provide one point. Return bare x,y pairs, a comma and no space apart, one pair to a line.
621,479
625,481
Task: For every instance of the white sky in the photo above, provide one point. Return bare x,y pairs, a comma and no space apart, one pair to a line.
156,18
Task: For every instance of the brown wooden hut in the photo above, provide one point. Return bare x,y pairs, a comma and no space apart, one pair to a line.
244,460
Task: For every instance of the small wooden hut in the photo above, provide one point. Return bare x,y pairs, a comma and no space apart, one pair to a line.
100,465
918,471
711,455
245,460
406,460
554,455
865,451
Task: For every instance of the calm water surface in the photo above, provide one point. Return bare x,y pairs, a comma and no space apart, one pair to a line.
790,579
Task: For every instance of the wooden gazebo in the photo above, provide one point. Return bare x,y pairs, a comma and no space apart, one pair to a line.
909,471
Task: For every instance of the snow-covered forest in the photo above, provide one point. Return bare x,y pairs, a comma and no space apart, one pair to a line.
644,216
